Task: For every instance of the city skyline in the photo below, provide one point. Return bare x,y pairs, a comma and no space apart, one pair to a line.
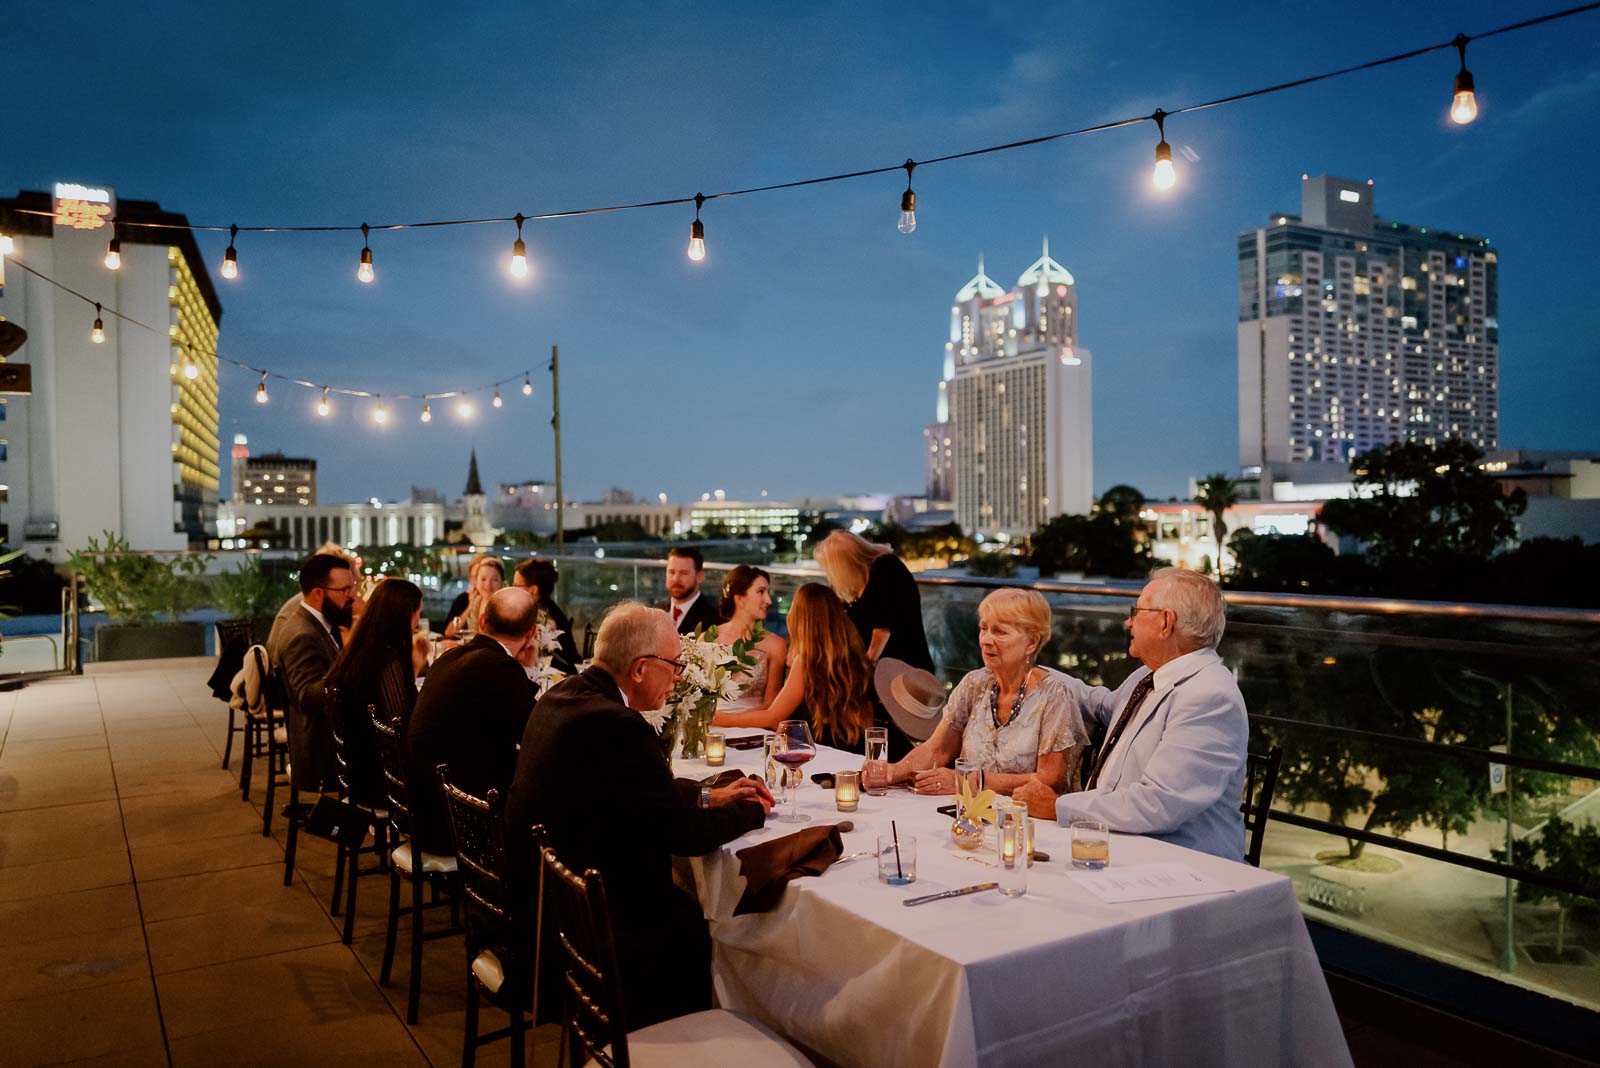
802,343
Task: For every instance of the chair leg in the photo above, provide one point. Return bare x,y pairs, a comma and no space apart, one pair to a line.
469,1041
393,925
227,749
341,857
518,1053
272,786
350,901
249,756
294,833
414,995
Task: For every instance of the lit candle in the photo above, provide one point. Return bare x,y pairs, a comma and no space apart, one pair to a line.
716,748
1008,846
847,790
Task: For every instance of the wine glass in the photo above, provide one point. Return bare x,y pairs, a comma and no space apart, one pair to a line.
793,748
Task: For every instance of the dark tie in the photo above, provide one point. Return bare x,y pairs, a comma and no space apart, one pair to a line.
1140,691
677,614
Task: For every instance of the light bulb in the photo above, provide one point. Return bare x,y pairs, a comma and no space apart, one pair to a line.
527,387
908,212
519,259
497,401
427,414
98,334
7,246
323,407
114,255
364,272
1464,108
697,241
230,258
191,370
464,409
261,390
380,414
1164,177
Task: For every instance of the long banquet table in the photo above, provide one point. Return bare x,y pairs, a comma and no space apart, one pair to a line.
1054,977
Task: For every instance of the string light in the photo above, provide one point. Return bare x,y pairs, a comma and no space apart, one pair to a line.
697,234
230,258
519,252
497,401
427,414
380,414
323,407
527,386
464,409
1464,104
114,251
261,389
98,333
364,272
1163,177
7,246
908,203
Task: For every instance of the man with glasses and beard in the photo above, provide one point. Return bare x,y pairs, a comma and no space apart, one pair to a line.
303,644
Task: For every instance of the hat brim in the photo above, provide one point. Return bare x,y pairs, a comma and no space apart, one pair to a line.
902,689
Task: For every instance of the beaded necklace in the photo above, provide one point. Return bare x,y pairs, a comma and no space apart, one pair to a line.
1016,703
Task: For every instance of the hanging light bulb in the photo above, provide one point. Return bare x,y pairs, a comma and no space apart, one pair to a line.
1464,105
7,246
527,387
98,333
113,251
364,272
464,408
427,414
908,203
323,407
519,252
380,414
497,401
1163,177
230,258
261,389
697,232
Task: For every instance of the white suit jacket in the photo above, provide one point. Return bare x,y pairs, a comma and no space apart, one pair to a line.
1177,773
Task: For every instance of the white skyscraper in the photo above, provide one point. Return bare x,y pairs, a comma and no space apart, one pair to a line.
1355,332
1020,401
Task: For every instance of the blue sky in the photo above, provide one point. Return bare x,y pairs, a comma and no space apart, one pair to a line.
802,355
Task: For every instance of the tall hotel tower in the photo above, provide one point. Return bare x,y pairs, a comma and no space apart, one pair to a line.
1355,332
1019,402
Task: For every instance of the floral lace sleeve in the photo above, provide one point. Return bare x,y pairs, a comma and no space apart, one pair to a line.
959,708
1060,719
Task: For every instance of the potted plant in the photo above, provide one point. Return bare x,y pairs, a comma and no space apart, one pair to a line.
136,590
254,592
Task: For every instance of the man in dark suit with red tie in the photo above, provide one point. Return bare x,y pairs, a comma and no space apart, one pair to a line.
686,569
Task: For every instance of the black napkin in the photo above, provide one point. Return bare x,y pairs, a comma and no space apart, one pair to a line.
768,867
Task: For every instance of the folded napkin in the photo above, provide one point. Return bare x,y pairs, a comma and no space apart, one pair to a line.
768,867
723,778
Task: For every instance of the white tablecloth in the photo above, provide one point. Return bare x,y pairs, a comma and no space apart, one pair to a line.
1054,977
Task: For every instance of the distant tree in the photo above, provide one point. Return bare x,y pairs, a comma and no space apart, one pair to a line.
1100,544
1216,494
1563,849
622,530
992,565
1122,501
945,542
1291,563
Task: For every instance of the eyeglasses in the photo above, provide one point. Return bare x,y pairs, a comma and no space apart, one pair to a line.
1135,610
338,589
678,666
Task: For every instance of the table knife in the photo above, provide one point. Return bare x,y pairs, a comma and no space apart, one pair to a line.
951,893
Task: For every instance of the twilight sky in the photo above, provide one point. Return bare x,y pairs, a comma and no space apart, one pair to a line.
802,355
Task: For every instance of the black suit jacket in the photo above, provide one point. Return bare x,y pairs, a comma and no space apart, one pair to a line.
703,613
470,714
304,650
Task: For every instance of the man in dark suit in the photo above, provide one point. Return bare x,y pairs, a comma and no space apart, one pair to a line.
591,773
302,646
470,715
686,569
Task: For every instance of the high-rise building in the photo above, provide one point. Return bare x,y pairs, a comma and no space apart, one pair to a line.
1355,332
119,434
1020,414
272,477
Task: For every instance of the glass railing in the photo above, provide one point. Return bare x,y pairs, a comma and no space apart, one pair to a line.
1410,732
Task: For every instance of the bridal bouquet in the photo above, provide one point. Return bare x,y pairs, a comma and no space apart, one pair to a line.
711,676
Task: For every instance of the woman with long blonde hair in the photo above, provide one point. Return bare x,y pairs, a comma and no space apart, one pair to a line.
883,599
829,681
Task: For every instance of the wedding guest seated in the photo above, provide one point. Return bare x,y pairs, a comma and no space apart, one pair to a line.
829,681
470,714
1017,721
378,667
1173,762
302,645
686,570
357,605
485,575
538,577
590,772
746,599
885,604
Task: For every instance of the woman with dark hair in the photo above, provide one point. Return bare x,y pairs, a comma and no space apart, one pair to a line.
539,578
746,598
830,680
379,667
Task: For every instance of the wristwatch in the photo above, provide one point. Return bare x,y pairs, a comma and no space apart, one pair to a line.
705,797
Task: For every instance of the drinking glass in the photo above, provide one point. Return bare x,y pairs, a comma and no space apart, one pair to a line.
770,770
897,862
1011,847
793,748
1091,845
878,752
967,771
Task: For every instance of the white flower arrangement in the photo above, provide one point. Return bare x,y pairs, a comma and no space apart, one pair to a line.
709,677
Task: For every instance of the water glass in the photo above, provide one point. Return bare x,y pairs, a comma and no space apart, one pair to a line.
1011,848
1091,845
770,771
897,861
878,750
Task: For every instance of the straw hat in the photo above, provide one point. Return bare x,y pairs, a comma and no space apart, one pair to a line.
913,697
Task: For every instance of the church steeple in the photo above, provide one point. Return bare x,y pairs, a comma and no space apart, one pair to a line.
474,486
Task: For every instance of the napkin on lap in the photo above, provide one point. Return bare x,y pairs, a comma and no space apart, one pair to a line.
768,867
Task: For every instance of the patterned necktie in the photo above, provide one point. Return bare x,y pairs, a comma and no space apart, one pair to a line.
1140,691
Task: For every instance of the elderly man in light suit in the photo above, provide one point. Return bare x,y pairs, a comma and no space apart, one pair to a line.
1172,765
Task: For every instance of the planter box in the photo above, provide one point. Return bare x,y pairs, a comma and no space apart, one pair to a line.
155,641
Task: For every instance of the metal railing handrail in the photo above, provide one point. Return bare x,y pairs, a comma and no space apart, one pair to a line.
1374,605
1468,753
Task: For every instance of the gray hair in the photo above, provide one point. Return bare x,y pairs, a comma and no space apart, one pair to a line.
630,630
1195,600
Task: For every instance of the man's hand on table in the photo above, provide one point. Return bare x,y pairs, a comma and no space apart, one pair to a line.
746,789
1040,799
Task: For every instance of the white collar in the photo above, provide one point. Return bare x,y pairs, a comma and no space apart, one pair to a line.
1181,667
683,606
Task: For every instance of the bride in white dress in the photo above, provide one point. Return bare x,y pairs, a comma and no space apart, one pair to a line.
746,599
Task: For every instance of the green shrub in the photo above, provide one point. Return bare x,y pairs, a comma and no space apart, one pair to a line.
136,587
251,591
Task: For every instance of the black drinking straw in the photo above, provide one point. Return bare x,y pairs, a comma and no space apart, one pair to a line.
899,873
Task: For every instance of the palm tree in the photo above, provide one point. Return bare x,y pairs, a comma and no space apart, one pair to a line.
1216,494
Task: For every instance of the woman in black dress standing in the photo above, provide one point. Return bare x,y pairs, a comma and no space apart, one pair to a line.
883,599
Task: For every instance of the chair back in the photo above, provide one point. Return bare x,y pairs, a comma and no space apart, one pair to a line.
1260,778
273,689
478,831
341,749
586,964
588,642
231,632
391,757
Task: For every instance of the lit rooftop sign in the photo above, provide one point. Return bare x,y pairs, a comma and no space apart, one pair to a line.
83,207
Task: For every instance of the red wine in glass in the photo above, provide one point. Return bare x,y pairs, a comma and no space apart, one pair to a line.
792,747
794,758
